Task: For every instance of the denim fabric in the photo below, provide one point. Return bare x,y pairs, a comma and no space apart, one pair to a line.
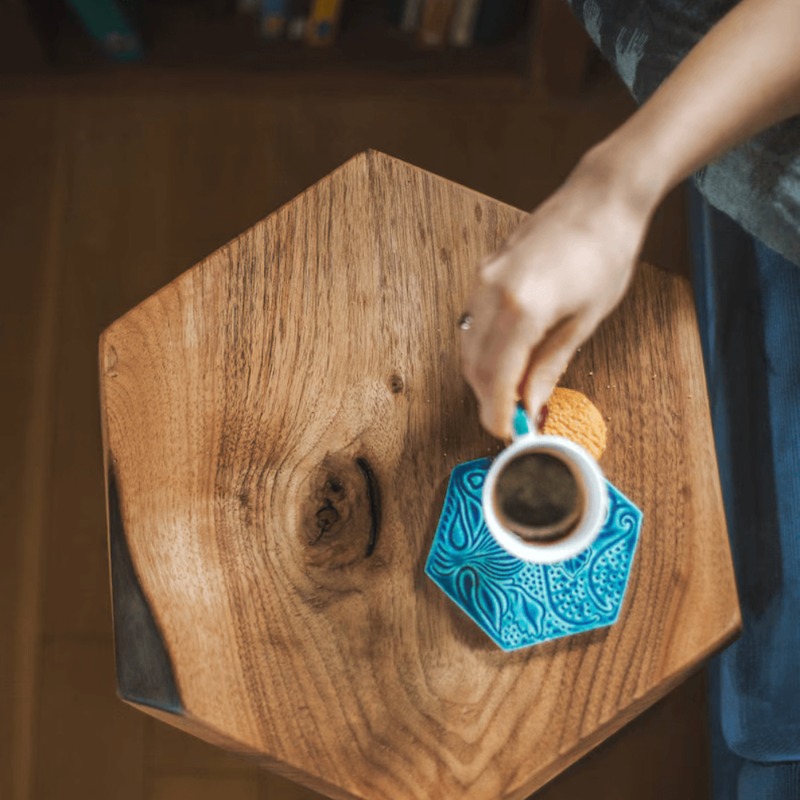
748,307
757,183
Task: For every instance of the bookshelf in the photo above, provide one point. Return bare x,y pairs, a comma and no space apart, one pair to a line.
211,36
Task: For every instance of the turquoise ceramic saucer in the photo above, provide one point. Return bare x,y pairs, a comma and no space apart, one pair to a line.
516,603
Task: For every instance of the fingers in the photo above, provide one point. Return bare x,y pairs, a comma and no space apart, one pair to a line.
507,356
549,360
495,354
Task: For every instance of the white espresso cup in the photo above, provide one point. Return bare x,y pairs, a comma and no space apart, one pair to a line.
592,496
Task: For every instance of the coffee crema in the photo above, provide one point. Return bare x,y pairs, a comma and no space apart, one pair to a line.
538,497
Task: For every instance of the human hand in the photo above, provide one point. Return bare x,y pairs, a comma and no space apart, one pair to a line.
545,291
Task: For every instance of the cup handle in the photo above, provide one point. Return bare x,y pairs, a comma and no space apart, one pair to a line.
522,424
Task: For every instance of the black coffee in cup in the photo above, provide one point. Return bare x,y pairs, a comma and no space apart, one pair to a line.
539,497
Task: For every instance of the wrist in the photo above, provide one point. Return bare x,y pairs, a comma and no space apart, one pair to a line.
628,173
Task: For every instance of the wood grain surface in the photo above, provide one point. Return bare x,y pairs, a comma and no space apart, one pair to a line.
279,426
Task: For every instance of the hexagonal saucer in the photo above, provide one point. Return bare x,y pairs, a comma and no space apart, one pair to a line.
516,603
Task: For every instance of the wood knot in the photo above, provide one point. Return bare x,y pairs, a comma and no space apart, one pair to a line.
396,384
340,517
110,362
335,485
327,517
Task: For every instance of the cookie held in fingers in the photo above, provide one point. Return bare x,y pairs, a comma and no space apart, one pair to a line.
574,416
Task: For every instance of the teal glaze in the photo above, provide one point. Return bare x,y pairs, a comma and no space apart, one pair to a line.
516,603
521,422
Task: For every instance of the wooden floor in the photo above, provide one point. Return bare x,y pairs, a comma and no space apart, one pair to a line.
111,188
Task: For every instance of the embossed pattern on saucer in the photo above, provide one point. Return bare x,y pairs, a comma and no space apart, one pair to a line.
516,603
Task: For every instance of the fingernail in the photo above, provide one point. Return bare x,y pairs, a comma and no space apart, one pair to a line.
542,418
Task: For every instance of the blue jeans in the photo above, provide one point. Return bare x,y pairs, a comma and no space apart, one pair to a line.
748,308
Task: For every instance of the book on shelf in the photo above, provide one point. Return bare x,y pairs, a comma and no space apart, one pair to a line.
298,19
111,23
323,22
459,23
434,22
272,18
462,28
410,15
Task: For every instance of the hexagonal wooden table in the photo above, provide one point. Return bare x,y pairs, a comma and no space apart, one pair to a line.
280,423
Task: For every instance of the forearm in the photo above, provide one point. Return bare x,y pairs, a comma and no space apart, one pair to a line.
568,265
742,77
